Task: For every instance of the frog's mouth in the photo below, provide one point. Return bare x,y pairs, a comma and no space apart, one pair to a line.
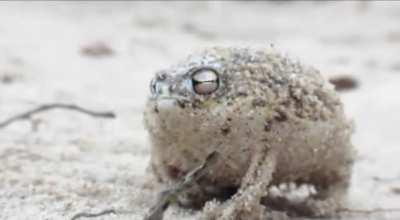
165,103
170,101
177,98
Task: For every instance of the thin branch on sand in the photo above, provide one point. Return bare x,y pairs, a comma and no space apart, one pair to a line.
169,196
47,107
93,215
368,212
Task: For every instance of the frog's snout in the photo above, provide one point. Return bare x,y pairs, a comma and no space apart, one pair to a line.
160,85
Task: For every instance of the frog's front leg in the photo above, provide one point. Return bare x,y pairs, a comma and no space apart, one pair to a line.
246,203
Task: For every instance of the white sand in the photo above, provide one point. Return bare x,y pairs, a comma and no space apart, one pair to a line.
74,163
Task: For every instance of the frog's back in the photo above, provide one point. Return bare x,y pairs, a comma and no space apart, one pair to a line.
290,107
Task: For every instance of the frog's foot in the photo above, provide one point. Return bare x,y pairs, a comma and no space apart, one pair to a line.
246,205
241,207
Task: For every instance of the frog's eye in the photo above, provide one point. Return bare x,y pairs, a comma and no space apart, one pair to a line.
205,81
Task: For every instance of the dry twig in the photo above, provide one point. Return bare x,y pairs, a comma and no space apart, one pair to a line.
168,196
47,107
368,212
93,215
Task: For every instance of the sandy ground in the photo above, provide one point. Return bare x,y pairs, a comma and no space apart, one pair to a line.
61,162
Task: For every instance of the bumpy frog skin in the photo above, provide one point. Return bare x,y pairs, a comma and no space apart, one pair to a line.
271,119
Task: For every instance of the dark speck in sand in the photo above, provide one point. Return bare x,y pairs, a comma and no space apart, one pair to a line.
344,83
97,49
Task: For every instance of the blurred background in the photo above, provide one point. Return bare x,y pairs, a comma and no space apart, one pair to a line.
102,55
